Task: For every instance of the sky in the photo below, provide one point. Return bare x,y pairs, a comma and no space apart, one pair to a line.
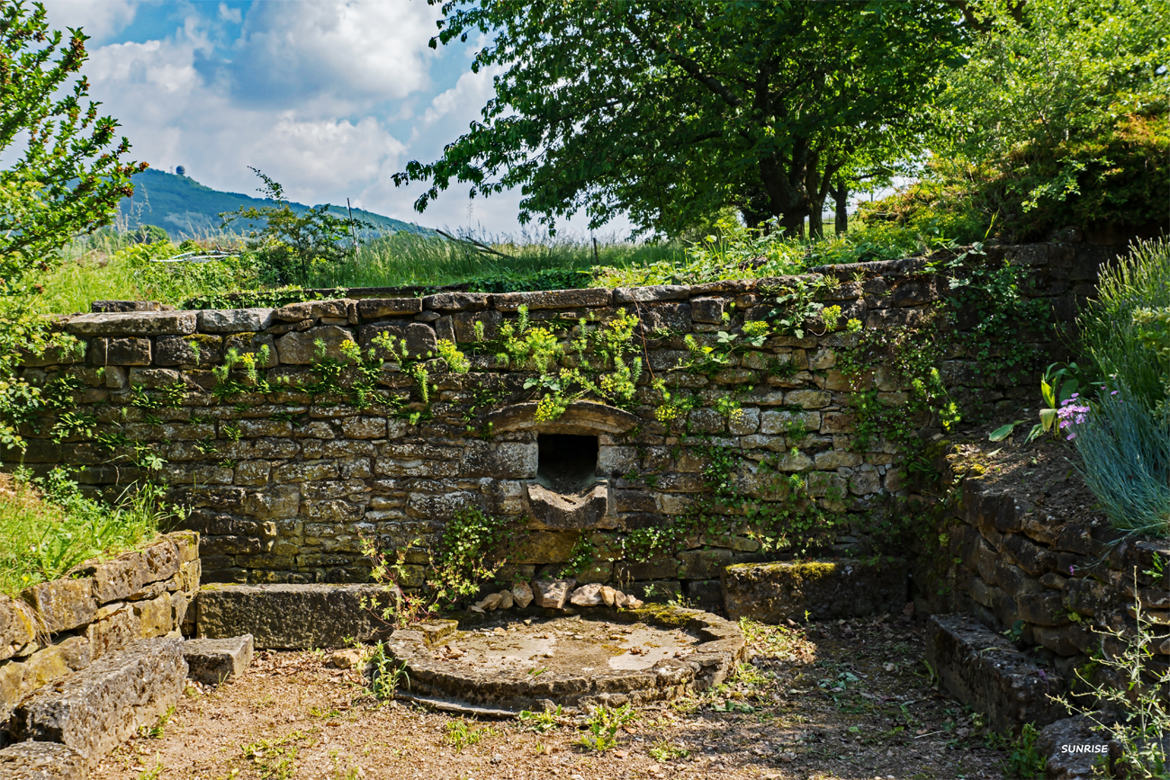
328,97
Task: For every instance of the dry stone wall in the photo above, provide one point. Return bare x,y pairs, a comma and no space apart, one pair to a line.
1051,584
303,445
62,626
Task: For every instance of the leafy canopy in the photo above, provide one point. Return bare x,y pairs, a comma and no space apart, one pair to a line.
1061,115
674,111
67,174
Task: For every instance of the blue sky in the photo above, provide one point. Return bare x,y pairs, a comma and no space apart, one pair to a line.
328,97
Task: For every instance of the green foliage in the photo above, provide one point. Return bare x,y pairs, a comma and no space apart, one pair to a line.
1124,329
541,722
601,362
675,112
603,724
1024,759
288,244
384,675
1125,449
133,272
471,549
460,733
47,526
65,171
1132,697
1059,116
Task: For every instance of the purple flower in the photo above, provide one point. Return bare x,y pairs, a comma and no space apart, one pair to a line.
1071,570
1070,414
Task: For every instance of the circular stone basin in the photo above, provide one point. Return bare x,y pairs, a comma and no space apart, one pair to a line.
572,659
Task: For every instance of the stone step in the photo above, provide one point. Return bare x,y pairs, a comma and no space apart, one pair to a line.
93,710
291,616
985,671
41,761
211,661
814,590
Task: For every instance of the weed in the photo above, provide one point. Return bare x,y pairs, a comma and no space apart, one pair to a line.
541,722
603,724
275,759
664,750
159,728
384,675
460,734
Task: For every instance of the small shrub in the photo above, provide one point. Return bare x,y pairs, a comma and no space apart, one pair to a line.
1125,331
1133,701
1125,450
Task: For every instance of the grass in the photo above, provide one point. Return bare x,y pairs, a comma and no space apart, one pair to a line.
109,266
48,528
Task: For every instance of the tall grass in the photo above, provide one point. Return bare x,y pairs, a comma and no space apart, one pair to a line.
1109,333
47,528
1126,454
413,260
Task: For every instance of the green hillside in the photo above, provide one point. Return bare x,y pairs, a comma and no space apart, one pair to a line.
185,208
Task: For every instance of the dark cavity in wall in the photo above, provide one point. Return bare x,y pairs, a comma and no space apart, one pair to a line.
567,462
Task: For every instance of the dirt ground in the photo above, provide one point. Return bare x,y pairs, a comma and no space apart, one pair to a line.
844,699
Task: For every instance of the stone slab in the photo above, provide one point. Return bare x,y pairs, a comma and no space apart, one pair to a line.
17,627
814,590
95,709
41,761
211,661
290,616
986,672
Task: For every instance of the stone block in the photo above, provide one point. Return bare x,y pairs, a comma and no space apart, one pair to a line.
291,616
120,352
152,323
818,590
17,628
115,626
128,573
337,308
234,320
552,299
300,347
211,661
93,710
983,670
380,308
551,594
62,605
42,761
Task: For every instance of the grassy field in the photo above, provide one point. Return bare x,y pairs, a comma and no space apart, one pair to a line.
48,528
110,266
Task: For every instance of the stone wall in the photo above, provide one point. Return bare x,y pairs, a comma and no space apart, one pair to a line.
62,626
1047,582
286,483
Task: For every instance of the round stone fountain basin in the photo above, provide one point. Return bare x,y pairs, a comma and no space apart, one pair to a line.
589,656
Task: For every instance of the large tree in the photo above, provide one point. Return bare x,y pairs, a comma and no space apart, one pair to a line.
672,111
65,172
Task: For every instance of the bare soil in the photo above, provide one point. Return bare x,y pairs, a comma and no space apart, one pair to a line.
842,699
1045,473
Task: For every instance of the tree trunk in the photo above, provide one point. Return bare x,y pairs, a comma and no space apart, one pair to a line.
816,222
841,208
793,223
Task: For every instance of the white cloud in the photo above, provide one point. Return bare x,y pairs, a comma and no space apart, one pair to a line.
232,15
173,116
351,50
336,70
99,19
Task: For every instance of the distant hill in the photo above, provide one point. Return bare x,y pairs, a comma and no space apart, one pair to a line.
185,208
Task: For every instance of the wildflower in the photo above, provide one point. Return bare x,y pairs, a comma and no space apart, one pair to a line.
1070,414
